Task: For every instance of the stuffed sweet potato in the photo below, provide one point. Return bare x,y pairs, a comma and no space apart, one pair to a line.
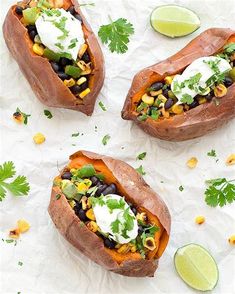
189,94
57,52
104,208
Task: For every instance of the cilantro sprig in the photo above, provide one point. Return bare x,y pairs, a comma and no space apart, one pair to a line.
220,192
18,187
116,35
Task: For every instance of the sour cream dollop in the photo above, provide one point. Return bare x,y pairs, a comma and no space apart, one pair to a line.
60,31
199,72
113,221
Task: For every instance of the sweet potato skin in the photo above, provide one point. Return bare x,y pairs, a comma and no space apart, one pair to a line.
197,121
45,83
89,243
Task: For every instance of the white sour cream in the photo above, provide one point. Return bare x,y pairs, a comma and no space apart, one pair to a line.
104,219
198,66
49,33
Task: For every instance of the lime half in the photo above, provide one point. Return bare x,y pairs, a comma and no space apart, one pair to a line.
196,267
174,21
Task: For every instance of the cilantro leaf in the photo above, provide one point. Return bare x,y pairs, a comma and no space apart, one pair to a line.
219,192
181,188
18,187
115,226
105,139
115,204
141,156
211,153
75,134
116,35
140,170
229,48
48,114
186,98
101,105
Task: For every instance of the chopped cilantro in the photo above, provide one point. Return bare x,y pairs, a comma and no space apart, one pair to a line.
211,153
186,98
140,170
141,156
102,106
181,188
105,139
115,204
48,114
115,226
75,134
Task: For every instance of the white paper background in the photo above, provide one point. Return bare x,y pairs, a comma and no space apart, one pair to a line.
50,264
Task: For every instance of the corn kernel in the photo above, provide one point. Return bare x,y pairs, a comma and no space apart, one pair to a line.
81,81
84,93
231,159
23,225
18,117
72,203
156,93
231,240
192,162
142,217
220,90
168,80
147,99
14,234
149,243
199,219
202,100
133,248
69,83
87,182
37,49
82,65
82,187
124,248
82,50
162,98
92,226
177,109
39,138
84,203
90,214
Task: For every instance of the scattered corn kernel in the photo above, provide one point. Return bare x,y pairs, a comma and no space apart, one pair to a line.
72,203
85,93
220,90
39,138
142,217
18,117
92,226
15,234
168,80
147,99
69,83
84,202
133,248
231,159
156,93
37,49
124,248
87,182
192,162
199,219
202,100
231,240
149,243
177,109
81,81
23,225
165,113
162,98
82,50
90,214
118,246
82,65
82,187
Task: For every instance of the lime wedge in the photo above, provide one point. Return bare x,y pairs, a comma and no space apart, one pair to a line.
196,267
174,21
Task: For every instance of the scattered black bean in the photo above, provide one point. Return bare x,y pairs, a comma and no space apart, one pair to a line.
71,9
134,210
86,57
209,96
32,35
63,75
169,103
78,16
19,10
84,86
77,207
111,189
165,92
31,28
156,86
228,82
65,61
55,66
109,243
94,180
140,230
194,104
66,176
100,189
82,215
76,89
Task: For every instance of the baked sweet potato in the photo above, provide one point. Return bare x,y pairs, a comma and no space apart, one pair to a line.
53,87
205,114
81,228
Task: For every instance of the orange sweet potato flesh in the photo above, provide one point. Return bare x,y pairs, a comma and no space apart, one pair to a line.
131,185
197,121
45,83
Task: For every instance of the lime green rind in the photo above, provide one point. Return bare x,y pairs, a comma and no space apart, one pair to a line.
191,272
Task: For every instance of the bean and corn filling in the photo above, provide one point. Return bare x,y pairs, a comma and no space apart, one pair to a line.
161,102
43,19
94,201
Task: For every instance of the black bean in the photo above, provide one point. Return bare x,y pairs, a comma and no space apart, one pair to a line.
140,230
19,10
78,16
169,103
165,92
94,180
77,207
32,35
156,86
66,176
82,215
75,89
194,104
111,189
65,61
63,76
55,66
209,96
228,82
71,9
134,210
109,243
100,189
84,86
86,57
31,28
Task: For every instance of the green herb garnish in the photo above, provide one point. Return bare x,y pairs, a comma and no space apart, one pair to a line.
86,171
18,187
25,116
181,188
115,204
20,263
76,134
115,226
142,106
116,35
140,170
102,106
105,139
141,156
211,153
229,48
186,98
48,114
